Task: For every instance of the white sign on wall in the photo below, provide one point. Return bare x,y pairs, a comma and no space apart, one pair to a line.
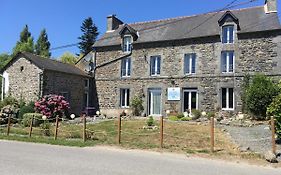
174,94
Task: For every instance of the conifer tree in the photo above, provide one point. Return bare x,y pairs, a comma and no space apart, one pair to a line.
25,44
42,46
88,38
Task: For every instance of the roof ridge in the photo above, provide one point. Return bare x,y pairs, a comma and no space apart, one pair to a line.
182,17
54,60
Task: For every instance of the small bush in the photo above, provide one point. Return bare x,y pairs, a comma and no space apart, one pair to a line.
9,101
150,121
27,119
260,94
173,118
179,116
274,109
196,114
137,105
45,126
26,109
185,119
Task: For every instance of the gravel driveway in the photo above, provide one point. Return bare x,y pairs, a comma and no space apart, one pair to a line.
257,138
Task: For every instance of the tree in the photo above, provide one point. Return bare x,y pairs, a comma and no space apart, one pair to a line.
25,34
68,57
260,94
25,44
42,46
88,38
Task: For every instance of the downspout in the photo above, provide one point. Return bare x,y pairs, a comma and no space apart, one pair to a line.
2,87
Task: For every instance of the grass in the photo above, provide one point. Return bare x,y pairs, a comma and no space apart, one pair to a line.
180,137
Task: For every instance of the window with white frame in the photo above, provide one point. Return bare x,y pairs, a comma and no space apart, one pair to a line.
124,98
228,34
126,67
127,43
155,65
227,62
86,82
227,99
189,63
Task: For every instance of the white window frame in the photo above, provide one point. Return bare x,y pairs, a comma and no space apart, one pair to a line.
87,102
157,61
227,62
88,83
127,70
228,34
189,98
127,103
190,64
128,47
227,108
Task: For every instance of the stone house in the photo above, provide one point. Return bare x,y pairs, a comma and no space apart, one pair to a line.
185,63
29,77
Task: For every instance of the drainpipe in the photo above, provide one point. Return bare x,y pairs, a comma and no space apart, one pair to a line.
2,87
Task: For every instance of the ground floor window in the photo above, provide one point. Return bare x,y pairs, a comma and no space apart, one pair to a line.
190,99
86,100
227,99
125,98
154,102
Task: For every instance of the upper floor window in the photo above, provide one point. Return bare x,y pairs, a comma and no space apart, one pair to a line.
86,83
227,62
126,67
124,98
127,44
189,63
228,34
227,99
155,65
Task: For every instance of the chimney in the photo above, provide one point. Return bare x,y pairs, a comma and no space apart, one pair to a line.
113,23
270,6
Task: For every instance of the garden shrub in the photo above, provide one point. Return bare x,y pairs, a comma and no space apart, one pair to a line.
137,106
260,94
150,121
27,118
45,126
179,116
274,109
196,114
173,118
211,114
26,109
9,101
52,105
185,119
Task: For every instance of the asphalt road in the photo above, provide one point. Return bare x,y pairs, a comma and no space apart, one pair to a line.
18,158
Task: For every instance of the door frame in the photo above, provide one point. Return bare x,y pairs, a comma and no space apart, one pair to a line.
149,104
189,90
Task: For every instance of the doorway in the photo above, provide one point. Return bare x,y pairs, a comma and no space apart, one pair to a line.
154,102
190,99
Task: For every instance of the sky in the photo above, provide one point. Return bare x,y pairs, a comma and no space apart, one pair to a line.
62,18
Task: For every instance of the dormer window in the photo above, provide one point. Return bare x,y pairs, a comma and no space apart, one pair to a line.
127,43
228,34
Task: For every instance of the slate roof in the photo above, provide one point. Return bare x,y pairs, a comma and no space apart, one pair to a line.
252,19
48,64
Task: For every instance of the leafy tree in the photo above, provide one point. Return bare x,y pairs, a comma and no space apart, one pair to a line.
68,57
42,46
88,38
24,47
260,94
25,44
274,109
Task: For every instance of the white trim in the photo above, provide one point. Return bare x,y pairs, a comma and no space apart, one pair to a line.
150,91
129,43
127,92
227,61
189,91
127,60
157,61
227,108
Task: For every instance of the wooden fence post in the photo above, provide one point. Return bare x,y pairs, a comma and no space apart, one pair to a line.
9,123
273,135
84,127
161,131
30,127
212,134
56,128
119,130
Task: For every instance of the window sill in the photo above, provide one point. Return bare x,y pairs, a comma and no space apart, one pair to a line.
158,75
125,76
125,107
227,109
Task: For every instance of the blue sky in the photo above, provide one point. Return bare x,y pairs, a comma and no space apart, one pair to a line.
62,18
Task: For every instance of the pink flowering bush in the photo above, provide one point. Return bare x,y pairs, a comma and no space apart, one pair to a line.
52,105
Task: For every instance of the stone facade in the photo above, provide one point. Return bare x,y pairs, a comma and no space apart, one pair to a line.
28,82
254,52
24,80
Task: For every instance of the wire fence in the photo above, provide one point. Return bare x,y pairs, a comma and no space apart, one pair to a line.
164,134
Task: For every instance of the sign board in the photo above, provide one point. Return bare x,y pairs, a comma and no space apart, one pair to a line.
174,94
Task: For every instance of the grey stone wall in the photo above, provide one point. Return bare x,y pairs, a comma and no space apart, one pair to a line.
258,52
73,85
24,80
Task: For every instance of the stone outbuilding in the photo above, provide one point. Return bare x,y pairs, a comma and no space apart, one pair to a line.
29,77
185,63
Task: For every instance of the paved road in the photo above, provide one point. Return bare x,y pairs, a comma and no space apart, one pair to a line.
18,158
